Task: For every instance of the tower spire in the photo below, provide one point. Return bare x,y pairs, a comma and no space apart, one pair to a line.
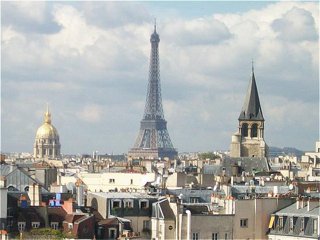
155,24
251,109
252,69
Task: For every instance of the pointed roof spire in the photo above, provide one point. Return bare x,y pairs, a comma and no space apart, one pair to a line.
251,109
47,115
252,69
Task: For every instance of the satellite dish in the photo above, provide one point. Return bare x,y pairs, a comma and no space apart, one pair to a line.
71,186
290,187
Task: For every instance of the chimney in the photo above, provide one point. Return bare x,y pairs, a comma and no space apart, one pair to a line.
35,194
312,203
303,202
298,203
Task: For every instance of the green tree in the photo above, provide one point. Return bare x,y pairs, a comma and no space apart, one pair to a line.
208,155
43,233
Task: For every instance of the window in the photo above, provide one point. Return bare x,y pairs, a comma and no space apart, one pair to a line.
146,224
54,225
131,181
111,180
315,226
35,224
280,223
244,130
116,204
302,225
21,226
128,204
254,130
195,236
244,222
226,236
112,233
214,236
194,199
144,204
291,224
70,225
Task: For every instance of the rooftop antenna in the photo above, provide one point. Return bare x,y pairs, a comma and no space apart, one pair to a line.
155,24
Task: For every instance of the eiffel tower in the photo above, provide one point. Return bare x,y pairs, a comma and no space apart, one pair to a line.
153,141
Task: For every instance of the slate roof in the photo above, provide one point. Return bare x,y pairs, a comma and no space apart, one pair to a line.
17,177
162,210
247,164
122,195
293,211
197,209
251,109
166,210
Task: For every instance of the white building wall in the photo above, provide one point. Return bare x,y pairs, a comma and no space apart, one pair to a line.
105,182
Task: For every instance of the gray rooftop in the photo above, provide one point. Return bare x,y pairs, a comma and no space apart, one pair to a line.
293,211
122,195
247,164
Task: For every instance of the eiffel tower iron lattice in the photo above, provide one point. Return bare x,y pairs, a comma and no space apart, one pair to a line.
153,141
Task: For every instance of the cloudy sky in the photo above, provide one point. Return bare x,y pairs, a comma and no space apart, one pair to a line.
89,61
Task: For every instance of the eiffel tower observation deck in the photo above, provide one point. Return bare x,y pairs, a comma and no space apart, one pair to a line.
153,141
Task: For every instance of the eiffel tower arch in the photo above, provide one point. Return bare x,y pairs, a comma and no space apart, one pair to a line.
153,141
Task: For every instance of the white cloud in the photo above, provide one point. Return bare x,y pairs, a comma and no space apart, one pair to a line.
75,34
90,113
296,25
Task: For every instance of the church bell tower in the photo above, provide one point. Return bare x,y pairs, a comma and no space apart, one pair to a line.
248,141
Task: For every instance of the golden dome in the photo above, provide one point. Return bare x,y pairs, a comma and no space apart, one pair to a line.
47,130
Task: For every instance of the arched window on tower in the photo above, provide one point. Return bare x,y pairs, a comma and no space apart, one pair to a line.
254,130
244,130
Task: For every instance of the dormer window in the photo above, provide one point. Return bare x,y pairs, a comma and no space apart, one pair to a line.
116,203
21,226
143,204
70,225
128,203
35,224
54,225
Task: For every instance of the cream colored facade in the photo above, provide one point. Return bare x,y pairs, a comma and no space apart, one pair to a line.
248,145
113,181
47,143
251,219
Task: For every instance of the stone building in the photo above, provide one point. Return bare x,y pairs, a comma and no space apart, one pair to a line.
47,144
248,141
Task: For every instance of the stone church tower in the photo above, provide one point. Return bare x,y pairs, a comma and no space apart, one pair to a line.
47,144
248,141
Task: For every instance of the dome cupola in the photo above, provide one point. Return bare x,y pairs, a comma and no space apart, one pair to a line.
47,142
